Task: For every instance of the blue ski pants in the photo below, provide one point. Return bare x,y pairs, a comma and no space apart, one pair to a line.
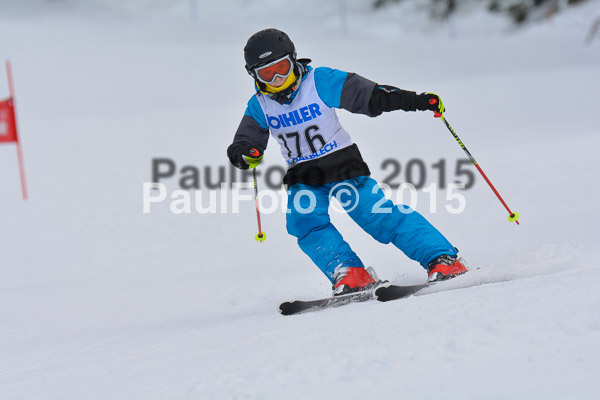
364,201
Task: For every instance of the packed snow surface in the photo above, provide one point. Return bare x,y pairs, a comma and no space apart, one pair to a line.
100,300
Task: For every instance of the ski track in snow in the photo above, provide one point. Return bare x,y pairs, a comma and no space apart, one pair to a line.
98,300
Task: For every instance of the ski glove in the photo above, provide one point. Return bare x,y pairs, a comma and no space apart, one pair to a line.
431,101
244,155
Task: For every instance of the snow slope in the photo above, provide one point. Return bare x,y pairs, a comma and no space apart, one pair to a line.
99,300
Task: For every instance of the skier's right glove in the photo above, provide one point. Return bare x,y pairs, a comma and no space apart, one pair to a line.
244,155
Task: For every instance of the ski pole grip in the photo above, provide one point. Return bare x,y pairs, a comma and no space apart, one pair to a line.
435,113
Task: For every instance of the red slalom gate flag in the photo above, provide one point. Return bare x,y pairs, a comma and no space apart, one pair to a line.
8,127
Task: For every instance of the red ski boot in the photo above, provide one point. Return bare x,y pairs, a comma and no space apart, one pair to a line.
353,279
444,267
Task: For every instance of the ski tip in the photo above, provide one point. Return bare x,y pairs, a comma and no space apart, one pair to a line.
377,293
394,292
382,285
288,308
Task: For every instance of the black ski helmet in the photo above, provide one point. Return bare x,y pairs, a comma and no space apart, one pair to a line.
266,46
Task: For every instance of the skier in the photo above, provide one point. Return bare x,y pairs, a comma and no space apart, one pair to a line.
297,103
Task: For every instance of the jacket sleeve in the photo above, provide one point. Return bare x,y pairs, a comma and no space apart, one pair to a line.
253,128
347,90
359,95
389,98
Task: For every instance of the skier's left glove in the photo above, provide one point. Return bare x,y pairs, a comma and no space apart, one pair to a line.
430,101
244,155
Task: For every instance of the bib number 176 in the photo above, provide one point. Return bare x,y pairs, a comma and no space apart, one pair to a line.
296,141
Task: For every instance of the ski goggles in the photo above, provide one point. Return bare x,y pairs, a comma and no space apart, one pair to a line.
279,68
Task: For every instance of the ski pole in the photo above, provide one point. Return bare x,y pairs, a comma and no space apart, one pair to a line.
260,236
512,216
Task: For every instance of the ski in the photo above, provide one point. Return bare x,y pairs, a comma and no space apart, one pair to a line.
300,306
383,292
395,292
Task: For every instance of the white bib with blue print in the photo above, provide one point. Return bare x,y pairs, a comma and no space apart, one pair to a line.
306,129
